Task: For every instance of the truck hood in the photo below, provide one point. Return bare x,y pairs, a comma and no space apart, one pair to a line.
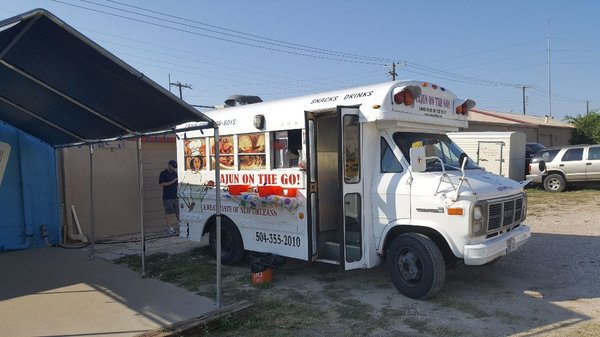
481,184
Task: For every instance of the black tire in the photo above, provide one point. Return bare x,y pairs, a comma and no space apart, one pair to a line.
416,265
555,183
232,246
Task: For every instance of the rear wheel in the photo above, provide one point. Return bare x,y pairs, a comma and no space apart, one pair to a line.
232,246
416,266
555,183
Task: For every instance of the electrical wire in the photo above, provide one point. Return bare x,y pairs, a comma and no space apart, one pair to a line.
484,51
291,52
279,42
257,41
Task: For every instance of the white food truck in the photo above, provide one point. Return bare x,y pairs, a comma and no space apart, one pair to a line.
355,177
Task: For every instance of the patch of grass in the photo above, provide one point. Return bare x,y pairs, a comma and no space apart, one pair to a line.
539,197
425,328
281,313
188,270
506,317
466,307
416,323
353,309
277,317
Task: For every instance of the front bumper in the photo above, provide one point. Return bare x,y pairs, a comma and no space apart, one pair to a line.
493,248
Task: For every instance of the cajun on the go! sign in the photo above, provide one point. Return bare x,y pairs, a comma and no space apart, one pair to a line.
259,178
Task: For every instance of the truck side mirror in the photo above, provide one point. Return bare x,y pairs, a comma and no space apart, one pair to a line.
462,159
417,159
542,166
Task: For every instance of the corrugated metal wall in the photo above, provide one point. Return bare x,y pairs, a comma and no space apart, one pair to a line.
28,192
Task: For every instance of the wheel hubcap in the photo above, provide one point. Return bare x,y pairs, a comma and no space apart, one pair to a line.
410,266
553,184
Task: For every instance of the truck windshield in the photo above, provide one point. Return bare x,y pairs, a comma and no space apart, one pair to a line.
435,145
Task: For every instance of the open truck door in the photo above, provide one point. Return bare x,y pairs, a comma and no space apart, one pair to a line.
335,187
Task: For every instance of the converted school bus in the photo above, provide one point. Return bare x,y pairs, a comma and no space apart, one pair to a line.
353,177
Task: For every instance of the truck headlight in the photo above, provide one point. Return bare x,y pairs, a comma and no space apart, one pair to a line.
478,219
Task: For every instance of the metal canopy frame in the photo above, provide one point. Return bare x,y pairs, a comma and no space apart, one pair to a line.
65,90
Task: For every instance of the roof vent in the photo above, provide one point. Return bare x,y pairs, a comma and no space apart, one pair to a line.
235,100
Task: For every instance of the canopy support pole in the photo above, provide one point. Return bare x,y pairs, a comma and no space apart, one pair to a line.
218,215
141,196
92,222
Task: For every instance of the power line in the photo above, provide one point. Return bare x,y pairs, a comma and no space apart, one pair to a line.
281,42
485,51
514,69
498,61
318,55
457,77
279,45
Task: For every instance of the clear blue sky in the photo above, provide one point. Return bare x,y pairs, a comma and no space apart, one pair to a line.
484,50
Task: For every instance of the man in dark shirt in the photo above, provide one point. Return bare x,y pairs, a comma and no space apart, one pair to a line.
168,181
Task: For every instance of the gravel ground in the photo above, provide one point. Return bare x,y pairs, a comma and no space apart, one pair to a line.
547,288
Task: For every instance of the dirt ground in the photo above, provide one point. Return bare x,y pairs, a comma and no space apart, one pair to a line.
549,287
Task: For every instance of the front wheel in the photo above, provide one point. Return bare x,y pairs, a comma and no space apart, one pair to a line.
555,183
232,246
416,265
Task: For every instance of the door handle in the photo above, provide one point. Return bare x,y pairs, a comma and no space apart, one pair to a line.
561,165
588,163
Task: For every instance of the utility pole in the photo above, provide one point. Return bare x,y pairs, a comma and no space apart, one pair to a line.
392,72
180,85
587,107
524,99
549,76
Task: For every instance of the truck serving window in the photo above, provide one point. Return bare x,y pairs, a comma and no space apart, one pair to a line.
195,154
251,151
287,148
435,145
225,152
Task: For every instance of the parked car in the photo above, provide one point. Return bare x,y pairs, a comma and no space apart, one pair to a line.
556,167
530,151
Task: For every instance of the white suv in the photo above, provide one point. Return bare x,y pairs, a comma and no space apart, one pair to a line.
557,166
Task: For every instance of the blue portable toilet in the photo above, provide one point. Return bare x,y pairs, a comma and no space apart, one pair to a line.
29,198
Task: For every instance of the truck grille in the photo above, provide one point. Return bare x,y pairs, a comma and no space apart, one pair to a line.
505,213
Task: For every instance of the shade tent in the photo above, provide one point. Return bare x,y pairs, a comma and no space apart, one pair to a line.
61,87
64,89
